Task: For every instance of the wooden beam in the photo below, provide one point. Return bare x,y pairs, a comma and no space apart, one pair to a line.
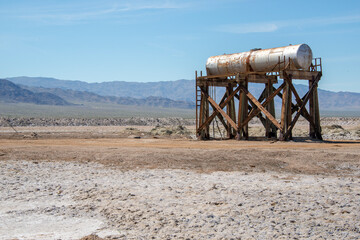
312,111
221,118
299,102
254,112
317,114
196,102
262,95
259,115
298,74
243,130
273,129
230,111
285,111
219,109
295,107
256,77
267,122
260,106
223,98
222,105
270,129
218,114
289,102
250,108
315,130
201,110
307,96
204,113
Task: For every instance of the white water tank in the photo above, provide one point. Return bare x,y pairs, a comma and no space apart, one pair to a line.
265,60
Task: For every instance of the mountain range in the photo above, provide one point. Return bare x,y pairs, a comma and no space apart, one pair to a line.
174,94
182,90
81,97
13,93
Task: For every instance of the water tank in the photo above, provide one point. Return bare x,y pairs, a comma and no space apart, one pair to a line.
256,60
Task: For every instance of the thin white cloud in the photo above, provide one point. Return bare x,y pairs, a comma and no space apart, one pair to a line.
81,12
273,26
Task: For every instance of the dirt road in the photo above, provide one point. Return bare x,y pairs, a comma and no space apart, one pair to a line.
334,157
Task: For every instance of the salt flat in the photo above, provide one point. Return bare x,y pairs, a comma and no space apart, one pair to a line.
126,188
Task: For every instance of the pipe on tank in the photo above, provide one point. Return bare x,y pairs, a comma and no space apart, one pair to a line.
265,60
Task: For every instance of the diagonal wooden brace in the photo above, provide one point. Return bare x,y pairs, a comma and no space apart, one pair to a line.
254,112
299,102
259,115
222,121
262,109
306,99
216,112
219,109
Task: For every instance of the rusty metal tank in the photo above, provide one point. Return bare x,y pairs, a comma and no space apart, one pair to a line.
258,60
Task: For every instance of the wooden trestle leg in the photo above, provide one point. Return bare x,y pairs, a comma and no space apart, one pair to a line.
230,109
286,113
270,129
243,132
315,130
204,113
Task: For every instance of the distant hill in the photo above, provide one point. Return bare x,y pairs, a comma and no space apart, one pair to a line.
339,100
176,90
10,92
180,90
82,97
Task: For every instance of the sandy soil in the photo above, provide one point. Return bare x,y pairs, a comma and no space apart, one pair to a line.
72,186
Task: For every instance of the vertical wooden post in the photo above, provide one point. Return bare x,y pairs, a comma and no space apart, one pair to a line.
270,129
228,106
267,122
243,133
246,110
196,103
240,115
207,114
233,113
283,115
289,102
273,132
285,110
315,112
204,113
230,109
311,110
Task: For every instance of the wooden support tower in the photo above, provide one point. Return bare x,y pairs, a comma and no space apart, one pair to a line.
241,105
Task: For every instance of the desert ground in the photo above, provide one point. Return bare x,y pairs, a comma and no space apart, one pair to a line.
156,181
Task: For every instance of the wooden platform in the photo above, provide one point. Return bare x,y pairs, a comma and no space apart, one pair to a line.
235,119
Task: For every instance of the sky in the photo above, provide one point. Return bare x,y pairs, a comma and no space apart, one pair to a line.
167,40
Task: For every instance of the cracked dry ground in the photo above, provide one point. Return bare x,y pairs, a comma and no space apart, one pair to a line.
178,189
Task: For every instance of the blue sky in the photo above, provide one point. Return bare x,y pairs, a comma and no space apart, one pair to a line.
162,40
